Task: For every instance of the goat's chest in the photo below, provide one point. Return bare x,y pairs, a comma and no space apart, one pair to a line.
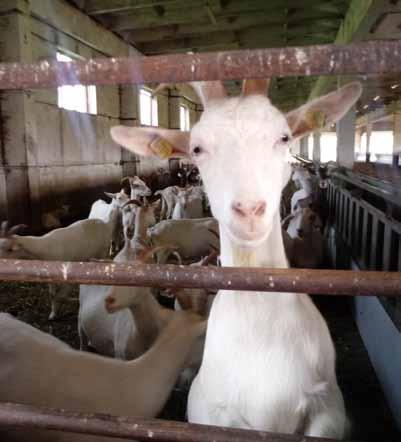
258,346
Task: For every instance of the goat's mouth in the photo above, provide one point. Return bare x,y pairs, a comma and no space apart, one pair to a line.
246,236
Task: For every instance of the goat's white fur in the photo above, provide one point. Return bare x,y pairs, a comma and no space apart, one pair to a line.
80,241
86,382
269,361
191,237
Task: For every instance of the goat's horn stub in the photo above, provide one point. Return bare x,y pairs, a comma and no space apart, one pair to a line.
256,87
210,258
134,201
209,90
126,178
161,87
15,229
3,228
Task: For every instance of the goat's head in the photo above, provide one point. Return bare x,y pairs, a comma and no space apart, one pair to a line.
10,248
131,212
307,221
123,297
241,148
138,187
119,198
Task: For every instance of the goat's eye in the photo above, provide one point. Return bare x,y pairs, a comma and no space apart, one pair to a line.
197,150
285,138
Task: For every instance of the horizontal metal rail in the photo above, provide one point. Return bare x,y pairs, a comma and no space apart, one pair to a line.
333,282
24,416
375,57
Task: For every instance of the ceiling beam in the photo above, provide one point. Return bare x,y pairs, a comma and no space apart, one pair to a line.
101,7
192,43
80,4
223,24
359,19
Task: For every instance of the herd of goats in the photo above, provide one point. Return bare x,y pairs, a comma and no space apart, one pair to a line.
250,360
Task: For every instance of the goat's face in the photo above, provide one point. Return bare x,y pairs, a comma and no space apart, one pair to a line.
305,222
139,188
240,146
124,297
11,249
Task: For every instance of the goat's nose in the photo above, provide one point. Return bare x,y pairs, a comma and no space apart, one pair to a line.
244,210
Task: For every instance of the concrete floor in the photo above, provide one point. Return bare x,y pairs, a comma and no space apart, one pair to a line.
370,416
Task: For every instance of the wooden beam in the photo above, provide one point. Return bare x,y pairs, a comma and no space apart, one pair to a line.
360,17
186,30
80,4
142,20
70,21
192,43
210,13
101,7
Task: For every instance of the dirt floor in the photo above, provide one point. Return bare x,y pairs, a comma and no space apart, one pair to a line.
366,406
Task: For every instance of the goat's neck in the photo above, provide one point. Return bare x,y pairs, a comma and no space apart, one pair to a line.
269,254
162,364
141,226
150,318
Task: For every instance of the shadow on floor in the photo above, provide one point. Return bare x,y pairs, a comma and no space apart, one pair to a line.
367,409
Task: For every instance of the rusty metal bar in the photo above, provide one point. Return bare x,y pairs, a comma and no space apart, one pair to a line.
374,57
27,417
333,282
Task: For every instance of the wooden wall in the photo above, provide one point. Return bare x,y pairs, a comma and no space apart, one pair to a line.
48,155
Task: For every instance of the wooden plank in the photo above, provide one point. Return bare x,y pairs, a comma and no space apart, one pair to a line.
364,237
356,244
341,213
399,253
351,237
387,247
76,24
182,16
337,209
373,244
101,7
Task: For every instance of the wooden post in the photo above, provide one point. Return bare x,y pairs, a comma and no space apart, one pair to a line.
19,195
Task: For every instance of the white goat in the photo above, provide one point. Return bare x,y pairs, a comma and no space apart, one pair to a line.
102,210
189,203
89,383
303,180
168,198
52,219
269,361
80,241
191,237
139,188
119,335
304,240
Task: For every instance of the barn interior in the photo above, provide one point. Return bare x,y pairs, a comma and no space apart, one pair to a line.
57,156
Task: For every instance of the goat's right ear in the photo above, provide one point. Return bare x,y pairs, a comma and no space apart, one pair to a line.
145,141
110,195
323,111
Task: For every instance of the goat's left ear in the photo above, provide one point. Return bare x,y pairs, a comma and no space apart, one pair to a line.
323,111
152,141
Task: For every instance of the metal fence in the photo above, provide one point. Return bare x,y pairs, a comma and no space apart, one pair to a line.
361,58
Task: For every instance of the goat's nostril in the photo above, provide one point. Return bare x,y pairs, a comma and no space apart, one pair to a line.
238,209
260,208
245,210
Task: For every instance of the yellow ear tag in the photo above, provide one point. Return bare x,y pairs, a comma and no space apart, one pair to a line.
162,148
316,119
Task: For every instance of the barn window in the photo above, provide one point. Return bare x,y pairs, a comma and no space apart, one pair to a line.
76,98
148,108
184,117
